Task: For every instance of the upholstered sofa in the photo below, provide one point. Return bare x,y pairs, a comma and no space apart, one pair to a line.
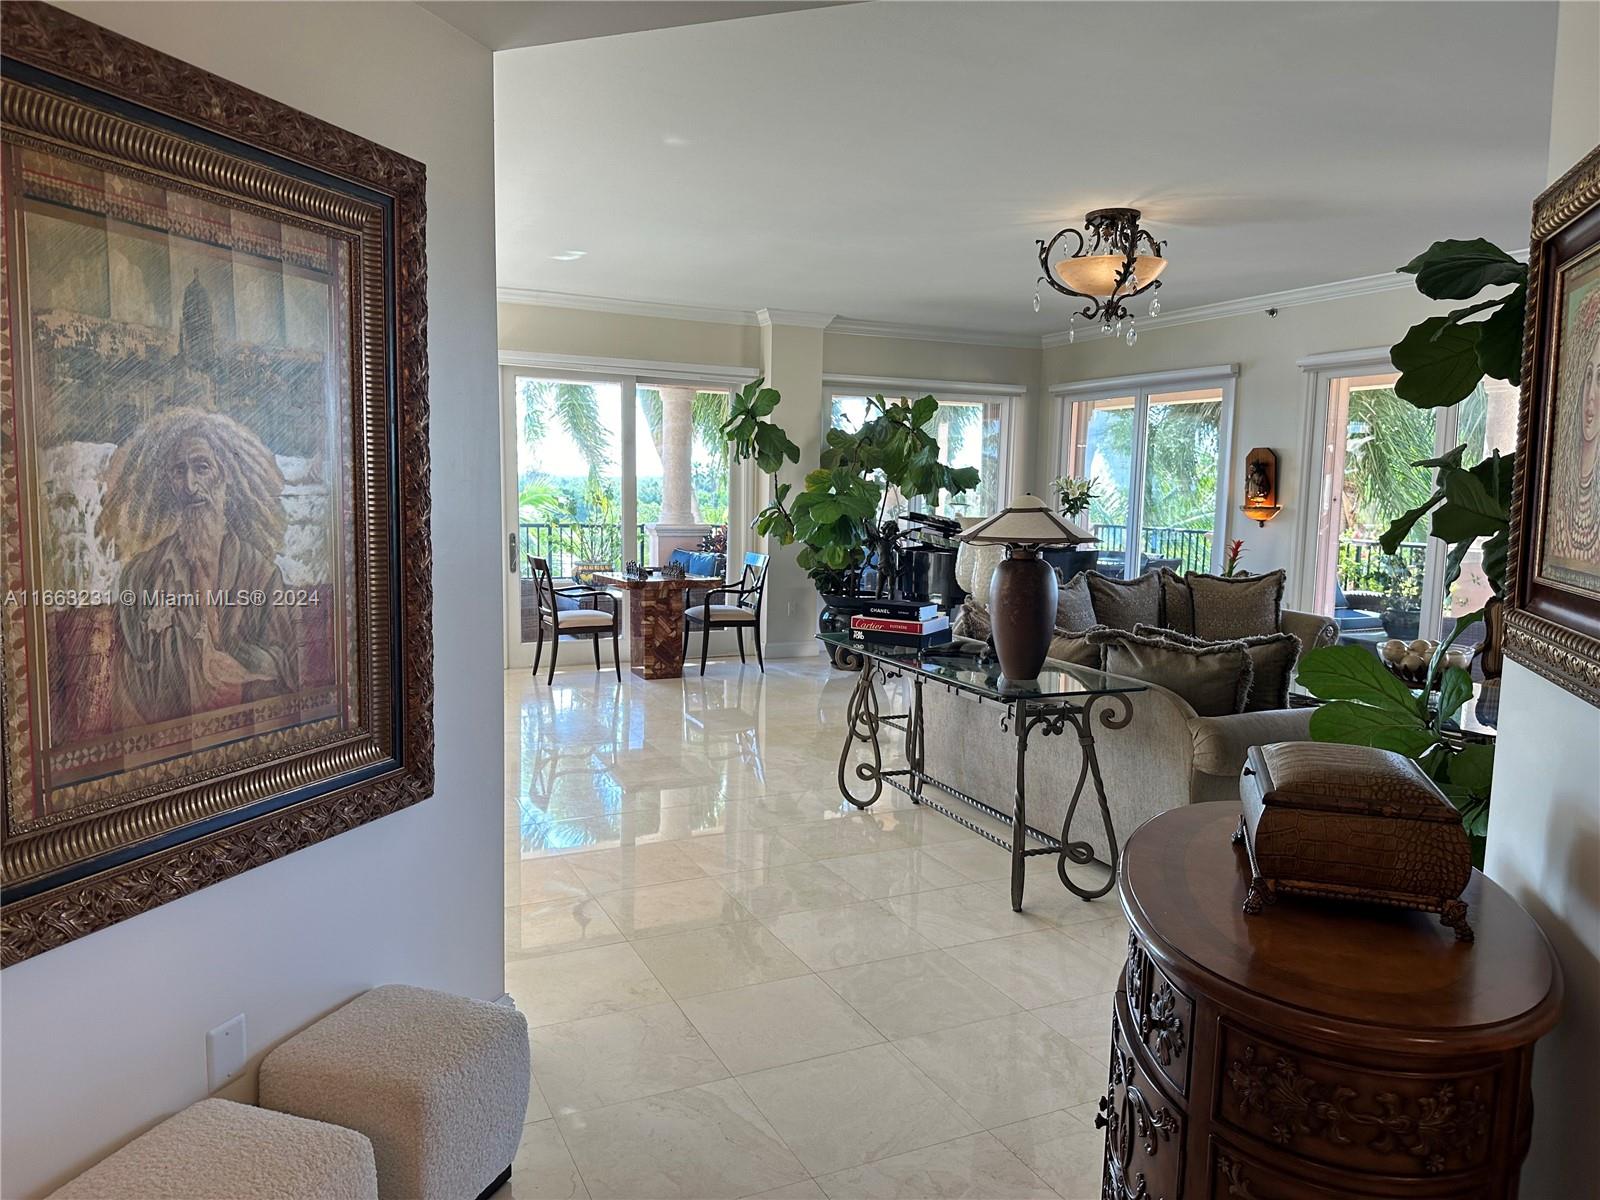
1166,756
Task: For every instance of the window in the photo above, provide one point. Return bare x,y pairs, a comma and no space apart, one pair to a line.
1156,449
972,431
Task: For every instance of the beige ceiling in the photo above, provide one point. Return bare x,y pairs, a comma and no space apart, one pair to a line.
895,161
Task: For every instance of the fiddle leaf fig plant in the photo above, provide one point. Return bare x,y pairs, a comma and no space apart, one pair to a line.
839,512
1442,359
750,435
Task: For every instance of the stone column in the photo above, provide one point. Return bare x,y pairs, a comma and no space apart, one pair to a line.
677,444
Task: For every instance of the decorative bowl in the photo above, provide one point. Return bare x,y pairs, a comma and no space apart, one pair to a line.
1409,660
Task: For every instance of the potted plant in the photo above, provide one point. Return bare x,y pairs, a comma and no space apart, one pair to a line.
1073,498
1402,598
839,517
592,537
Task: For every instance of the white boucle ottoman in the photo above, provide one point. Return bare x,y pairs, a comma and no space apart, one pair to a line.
219,1150
439,1083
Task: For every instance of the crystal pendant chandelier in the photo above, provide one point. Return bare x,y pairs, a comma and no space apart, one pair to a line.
1114,261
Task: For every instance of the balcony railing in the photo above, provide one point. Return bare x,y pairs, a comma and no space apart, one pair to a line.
1364,567
1191,547
564,544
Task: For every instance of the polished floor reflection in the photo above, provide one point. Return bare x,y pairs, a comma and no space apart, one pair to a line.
739,985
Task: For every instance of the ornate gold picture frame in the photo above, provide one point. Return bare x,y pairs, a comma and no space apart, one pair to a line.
215,640
1553,620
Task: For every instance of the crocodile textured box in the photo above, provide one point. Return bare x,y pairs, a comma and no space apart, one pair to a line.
1351,823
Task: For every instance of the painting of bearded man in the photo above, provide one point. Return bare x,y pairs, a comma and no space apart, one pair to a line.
1572,545
197,499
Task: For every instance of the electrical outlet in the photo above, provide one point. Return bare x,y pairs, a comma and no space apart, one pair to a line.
225,1053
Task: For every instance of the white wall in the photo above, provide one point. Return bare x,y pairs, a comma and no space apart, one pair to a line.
1270,399
105,1036
1544,824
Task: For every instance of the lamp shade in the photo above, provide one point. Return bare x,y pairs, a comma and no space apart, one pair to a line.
1026,521
1096,274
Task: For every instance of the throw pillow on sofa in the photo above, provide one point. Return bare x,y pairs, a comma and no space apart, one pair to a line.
1124,603
1213,679
1272,659
1177,601
1235,606
1074,606
1075,649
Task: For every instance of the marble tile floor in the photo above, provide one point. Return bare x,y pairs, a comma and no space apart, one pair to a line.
740,985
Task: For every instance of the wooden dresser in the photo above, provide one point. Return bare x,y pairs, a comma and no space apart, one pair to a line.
1316,1051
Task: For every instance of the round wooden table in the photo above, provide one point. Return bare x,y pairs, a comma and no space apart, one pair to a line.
1316,1050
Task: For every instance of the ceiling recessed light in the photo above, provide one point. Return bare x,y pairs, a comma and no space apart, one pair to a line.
673,139
569,255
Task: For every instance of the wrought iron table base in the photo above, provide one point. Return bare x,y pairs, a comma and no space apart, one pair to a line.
1022,716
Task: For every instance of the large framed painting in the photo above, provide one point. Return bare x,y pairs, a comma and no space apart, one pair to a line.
216,574
1553,624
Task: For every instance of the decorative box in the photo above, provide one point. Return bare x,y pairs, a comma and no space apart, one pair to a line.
1351,823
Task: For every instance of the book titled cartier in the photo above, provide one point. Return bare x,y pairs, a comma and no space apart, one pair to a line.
871,624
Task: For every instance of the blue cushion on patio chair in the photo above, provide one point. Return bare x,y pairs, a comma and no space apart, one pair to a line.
697,562
1353,620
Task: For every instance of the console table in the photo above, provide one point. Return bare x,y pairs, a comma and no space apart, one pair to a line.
1316,1051
1060,698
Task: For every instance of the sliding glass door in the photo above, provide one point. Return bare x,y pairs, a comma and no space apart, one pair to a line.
603,468
1158,459
1369,440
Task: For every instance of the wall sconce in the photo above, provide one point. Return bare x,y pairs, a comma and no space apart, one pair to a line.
1261,486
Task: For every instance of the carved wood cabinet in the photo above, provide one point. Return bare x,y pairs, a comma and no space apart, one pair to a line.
1314,1051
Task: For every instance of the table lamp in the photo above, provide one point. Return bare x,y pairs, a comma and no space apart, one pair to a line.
1022,593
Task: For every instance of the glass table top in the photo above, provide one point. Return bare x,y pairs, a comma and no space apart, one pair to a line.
983,677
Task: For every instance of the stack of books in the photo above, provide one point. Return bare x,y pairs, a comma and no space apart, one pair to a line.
916,624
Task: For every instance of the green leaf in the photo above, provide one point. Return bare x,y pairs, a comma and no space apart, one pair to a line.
1438,363
1452,563
1495,552
1363,725
1354,673
1472,767
1457,270
1468,511
1500,339
1455,689
1402,525
1450,458
924,410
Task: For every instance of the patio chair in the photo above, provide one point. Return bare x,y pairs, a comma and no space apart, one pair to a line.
587,620
744,613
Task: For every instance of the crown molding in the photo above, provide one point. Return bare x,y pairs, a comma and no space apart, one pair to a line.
627,308
766,317
933,333
1365,285
1317,293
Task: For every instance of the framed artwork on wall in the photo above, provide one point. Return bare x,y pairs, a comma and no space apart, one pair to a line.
216,574
1553,623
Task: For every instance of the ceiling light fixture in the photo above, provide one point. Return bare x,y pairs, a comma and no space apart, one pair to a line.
569,255
1115,261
